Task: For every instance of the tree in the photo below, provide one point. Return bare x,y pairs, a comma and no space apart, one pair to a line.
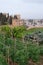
18,31
10,20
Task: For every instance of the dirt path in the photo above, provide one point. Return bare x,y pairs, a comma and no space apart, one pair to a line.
34,27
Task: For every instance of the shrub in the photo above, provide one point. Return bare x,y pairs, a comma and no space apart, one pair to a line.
2,60
21,57
18,31
34,52
41,50
19,53
9,41
6,30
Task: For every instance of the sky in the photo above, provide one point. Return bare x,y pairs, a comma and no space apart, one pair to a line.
28,9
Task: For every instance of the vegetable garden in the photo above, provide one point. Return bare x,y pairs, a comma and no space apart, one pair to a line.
19,46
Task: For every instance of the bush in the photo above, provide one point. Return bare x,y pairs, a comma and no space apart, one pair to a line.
2,38
9,41
21,57
6,30
19,53
2,60
34,52
18,31
41,50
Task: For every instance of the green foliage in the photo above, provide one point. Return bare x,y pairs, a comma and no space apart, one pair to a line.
34,52
6,30
3,19
2,60
15,49
2,38
21,56
18,31
23,52
41,50
11,55
9,41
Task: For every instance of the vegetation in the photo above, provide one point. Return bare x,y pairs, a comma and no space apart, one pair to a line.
2,60
4,20
14,50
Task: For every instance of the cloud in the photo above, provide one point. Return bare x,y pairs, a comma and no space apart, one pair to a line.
33,1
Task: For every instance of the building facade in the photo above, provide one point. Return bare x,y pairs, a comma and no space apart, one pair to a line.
17,21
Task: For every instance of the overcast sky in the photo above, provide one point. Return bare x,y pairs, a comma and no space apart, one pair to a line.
26,8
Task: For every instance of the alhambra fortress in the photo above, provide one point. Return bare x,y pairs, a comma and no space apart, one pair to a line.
29,23
17,21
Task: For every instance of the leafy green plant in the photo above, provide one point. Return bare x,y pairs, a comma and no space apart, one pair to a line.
2,60
21,56
18,31
41,50
6,30
34,52
9,41
17,50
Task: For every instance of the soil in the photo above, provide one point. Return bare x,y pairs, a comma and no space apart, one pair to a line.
40,62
